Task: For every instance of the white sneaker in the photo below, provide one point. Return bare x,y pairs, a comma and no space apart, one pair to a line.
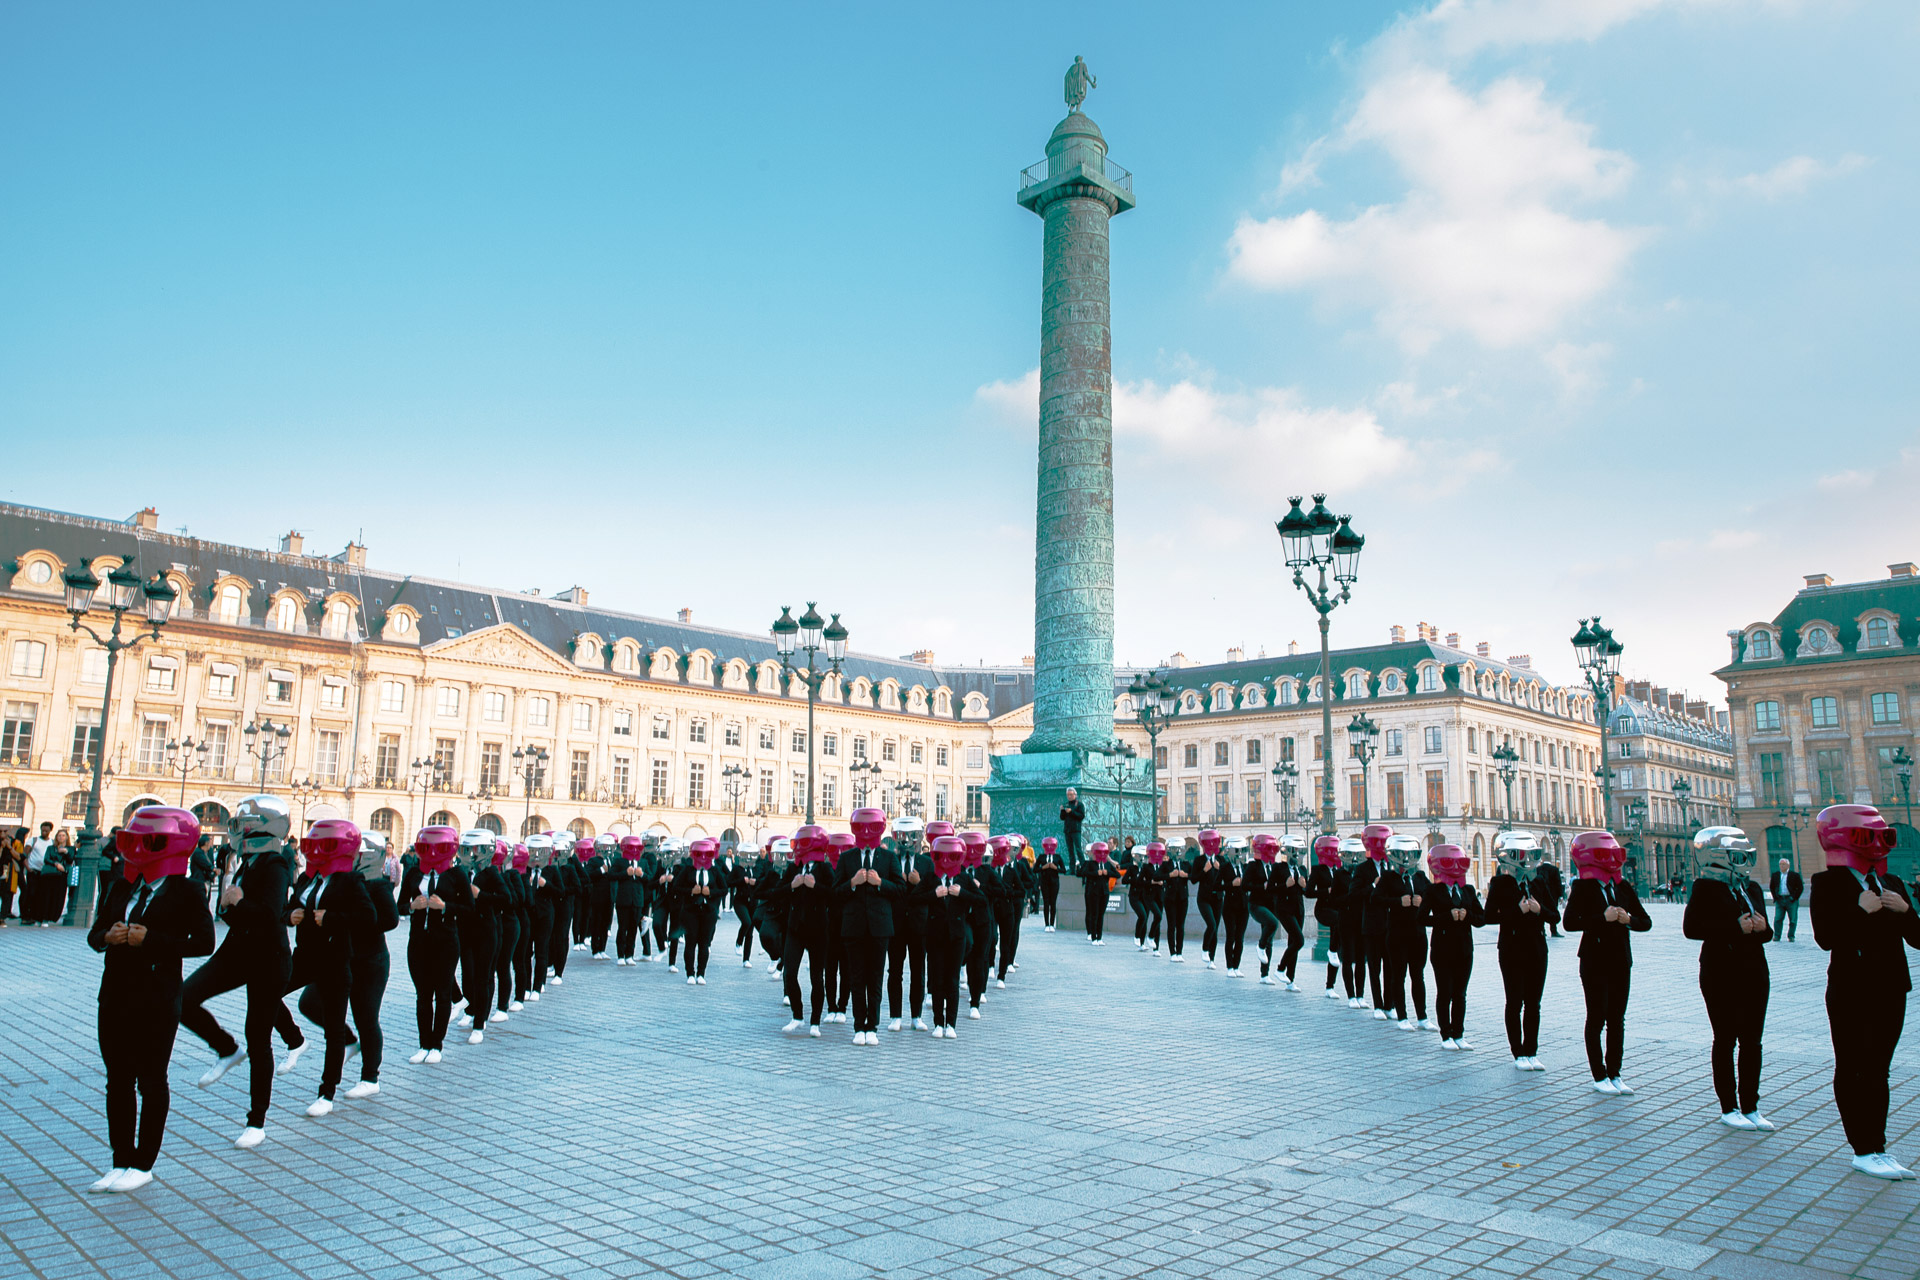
599,955
220,1067
1408,1024
673,968
250,1138
1428,1024
134,1179
1466,1045
1289,984
939,1032
1620,1086
464,1021
1233,973
476,1036
107,1179
1176,959
498,1015
873,1038
746,964
1905,1172
1448,1045
320,1107
1049,928
1760,1122
894,1025
433,1056
1000,983
532,996
952,1034
1381,1015
1331,993
792,1027
1268,981
692,981
1013,966
1604,1086
556,981
621,963
919,1024
813,1032
773,966
1210,965
702,979
1520,1064
293,1056
365,1089
973,1013
514,1006
1735,1120
1877,1165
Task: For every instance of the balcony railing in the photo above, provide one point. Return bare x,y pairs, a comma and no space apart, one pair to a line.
1036,173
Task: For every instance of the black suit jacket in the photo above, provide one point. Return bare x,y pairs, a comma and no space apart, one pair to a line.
1866,949
1789,891
260,917
1503,908
685,876
1440,901
867,912
453,888
348,909
144,981
947,917
1602,940
809,909
1713,920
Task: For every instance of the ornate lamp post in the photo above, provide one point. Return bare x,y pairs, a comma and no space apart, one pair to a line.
1508,758
1796,817
305,790
864,777
1285,778
185,758
1636,815
267,743
1599,656
421,775
1363,733
1125,763
734,778
1903,769
531,764
1155,704
124,589
1319,540
811,637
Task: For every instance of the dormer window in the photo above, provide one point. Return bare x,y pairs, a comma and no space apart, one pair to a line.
1879,634
1356,685
1391,682
231,604
286,613
338,624
1429,679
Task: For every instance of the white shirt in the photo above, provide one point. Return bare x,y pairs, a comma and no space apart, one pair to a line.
37,853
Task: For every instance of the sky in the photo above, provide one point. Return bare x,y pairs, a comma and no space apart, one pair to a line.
1576,306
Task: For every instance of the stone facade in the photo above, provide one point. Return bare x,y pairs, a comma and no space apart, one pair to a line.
1659,738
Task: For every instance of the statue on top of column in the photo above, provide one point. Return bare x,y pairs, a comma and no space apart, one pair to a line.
1079,80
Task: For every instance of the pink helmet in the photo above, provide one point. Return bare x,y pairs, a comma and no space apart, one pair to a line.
331,845
1156,852
810,844
1048,844
1266,847
582,849
949,854
158,841
502,853
1098,850
1854,835
1326,850
632,847
1375,836
837,845
436,847
868,826
1597,856
1449,863
1210,842
1002,848
702,851
939,827
521,858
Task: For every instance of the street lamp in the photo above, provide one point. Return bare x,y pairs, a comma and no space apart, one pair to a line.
863,777
1683,795
1285,777
1125,763
1796,817
1598,654
305,790
734,778
1362,733
424,776
185,758
1903,768
123,587
267,743
1508,758
810,636
1155,704
1320,540
531,764
1636,815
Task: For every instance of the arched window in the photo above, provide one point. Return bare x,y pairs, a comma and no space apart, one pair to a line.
1356,685
581,828
534,824
286,614
339,622
386,822
441,818
1879,633
1289,693
230,605
491,822
75,806
13,804
1429,679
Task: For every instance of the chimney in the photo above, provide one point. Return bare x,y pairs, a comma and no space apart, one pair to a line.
1697,710
145,518
1236,654
573,595
686,617
1453,639
1399,634
1293,648
1522,660
1723,719
1905,569
1424,632
354,557
922,656
1677,703
1026,660
292,543
1483,649
1818,581
1640,689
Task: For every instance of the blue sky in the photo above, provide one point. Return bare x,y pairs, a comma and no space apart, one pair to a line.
1596,305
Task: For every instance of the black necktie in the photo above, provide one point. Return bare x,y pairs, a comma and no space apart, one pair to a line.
140,907
1873,883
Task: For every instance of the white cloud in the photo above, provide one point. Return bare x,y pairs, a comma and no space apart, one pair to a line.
1578,366
1460,27
1792,176
1480,243
1841,481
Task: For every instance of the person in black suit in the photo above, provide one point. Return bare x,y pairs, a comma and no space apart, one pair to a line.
1072,815
1361,874
1548,882
629,894
1175,891
480,934
744,891
770,908
1327,885
808,893
329,908
839,993
1006,908
1093,873
1208,872
603,874
153,917
907,949
1453,909
1236,904
698,886
950,898
982,932
1521,901
1404,890
866,887
371,967
1863,918
507,943
581,864
1727,916
562,876
662,907
256,955
1605,910
1049,868
1786,887
1375,916
434,896
542,891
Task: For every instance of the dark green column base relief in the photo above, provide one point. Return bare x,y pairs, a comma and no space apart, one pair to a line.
1027,790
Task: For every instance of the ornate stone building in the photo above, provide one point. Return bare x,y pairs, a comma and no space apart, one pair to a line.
408,701
1666,747
1822,700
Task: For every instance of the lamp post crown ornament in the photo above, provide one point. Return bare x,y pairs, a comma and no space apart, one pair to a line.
1079,81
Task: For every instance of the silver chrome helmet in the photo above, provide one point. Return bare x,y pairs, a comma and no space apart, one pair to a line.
1353,851
1403,852
476,847
258,820
909,833
1725,853
1519,853
371,861
540,849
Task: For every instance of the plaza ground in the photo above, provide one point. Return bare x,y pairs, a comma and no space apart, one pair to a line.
1111,1115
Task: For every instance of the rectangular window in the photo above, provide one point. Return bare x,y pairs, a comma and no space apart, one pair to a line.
797,797
766,737
326,755
622,723
1396,742
916,754
93,667
940,756
976,757
1190,756
829,793
658,785
539,710
582,717
29,660
1830,774
1889,776
1190,792
1319,746
1356,794
16,734
216,736
1221,759
1436,791
622,777
860,747
446,701
160,675
1286,750
798,742
697,732
1396,795
1886,708
386,761
579,775
829,743
493,708
1253,799
221,679
393,696
1253,751
889,750
1160,757
1433,740
153,754
490,763
442,780
662,729
333,694
279,686
1826,713
766,789
732,735
976,803
1222,800
1473,743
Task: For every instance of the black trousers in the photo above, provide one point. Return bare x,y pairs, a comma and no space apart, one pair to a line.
1096,901
1071,838
1607,985
702,920
136,1044
1737,1011
943,978
1176,913
771,940
1866,1030
1006,919
431,956
909,950
479,934
1142,911
1452,969
866,964
1353,959
1291,956
1407,963
629,913
979,954
1523,971
602,924
1269,926
1049,901
324,979
504,948
582,917
1377,967
743,908
1209,924
540,941
835,955
1234,916
523,953
364,997
263,971
560,936
797,945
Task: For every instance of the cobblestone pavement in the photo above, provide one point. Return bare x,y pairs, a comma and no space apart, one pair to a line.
1111,1115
